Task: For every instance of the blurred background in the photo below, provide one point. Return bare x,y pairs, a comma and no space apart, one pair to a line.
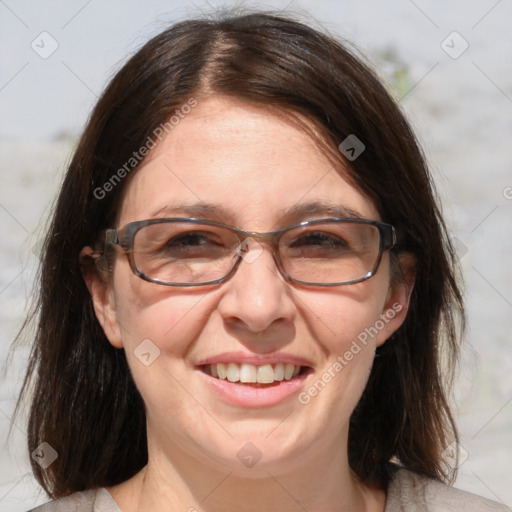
447,63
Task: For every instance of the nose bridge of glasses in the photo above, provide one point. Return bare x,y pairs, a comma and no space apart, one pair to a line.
251,245
257,239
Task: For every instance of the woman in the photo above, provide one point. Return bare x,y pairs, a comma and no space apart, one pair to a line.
247,289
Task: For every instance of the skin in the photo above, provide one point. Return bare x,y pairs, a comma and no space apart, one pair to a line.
257,167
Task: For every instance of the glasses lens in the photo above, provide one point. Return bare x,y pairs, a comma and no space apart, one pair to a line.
184,252
330,252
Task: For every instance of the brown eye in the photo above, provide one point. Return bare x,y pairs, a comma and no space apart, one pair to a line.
325,240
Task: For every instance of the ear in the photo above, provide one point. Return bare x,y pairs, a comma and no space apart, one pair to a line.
103,298
398,298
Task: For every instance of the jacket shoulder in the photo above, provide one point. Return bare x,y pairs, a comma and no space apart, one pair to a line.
410,492
92,500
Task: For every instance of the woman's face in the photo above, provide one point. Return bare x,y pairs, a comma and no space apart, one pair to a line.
238,164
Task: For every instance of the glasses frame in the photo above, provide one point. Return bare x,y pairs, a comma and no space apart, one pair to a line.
124,237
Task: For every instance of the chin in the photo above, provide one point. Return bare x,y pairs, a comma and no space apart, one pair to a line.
256,458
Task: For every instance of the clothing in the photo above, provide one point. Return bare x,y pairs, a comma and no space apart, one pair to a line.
93,500
410,492
407,492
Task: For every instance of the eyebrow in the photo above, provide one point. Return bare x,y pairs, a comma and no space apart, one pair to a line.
297,213
316,208
199,210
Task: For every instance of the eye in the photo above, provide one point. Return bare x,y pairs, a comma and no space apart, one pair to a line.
166,242
193,244
319,238
317,245
188,240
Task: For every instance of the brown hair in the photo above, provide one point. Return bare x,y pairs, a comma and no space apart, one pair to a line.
85,403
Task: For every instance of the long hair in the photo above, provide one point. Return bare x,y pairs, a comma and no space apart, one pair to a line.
84,402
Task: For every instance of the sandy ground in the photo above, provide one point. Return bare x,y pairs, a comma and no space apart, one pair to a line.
461,111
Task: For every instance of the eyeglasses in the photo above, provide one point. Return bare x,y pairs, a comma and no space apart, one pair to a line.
195,252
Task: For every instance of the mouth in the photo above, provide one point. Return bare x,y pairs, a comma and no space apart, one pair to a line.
262,376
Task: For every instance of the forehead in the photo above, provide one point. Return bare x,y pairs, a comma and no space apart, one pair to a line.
251,164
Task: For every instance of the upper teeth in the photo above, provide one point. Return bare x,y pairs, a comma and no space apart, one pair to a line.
264,374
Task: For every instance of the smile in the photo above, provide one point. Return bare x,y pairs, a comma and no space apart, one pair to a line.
254,386
246,373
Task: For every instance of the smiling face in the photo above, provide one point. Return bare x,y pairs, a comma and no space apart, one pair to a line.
234,163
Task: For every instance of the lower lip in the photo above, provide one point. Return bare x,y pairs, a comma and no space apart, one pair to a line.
248,396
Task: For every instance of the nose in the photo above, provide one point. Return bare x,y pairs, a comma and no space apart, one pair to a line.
257,298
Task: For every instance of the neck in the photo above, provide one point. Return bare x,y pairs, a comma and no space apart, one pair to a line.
318,484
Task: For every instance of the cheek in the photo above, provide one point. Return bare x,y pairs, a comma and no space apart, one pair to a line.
343,323
338,317
160,326
169,317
